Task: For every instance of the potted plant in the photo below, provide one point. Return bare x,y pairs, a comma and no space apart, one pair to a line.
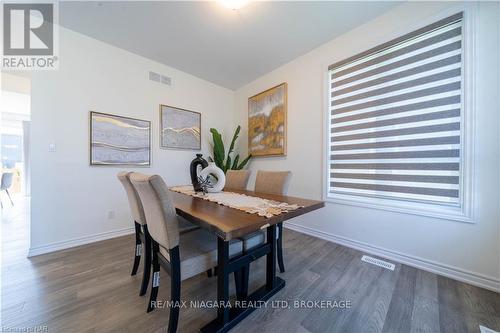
219,156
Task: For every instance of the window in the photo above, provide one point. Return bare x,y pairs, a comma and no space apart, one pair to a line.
396,121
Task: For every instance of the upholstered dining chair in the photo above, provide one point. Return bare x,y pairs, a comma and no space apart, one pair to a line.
142,242
236,179
271,182
5,185
142,238
181,255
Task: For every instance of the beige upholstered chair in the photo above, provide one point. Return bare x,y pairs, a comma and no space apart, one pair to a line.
140,229
142,242
237,179
181,255
273,182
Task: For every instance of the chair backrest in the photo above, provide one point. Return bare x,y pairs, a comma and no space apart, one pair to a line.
6,180
133,197
159,209
237,179
273,182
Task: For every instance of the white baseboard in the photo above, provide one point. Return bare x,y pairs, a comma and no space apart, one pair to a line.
455,273
57,246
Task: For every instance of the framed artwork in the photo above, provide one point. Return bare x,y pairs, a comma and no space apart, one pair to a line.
267,122
179,128
117,140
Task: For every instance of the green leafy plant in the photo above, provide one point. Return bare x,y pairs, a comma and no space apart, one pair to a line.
219,155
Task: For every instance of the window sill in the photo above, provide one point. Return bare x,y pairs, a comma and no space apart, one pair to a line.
400,206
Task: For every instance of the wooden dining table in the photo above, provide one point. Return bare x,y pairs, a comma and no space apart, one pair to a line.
228,224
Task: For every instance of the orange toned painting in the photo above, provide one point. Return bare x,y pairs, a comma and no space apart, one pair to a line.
267,122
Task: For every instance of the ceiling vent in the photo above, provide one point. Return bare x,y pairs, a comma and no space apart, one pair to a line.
160,78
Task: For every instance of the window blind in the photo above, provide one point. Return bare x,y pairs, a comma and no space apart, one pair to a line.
395,118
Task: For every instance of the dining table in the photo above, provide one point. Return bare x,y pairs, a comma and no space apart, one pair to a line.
229,224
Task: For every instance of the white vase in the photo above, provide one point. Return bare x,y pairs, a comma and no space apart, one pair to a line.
217,172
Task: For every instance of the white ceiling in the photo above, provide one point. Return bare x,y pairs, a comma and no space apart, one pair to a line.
229,48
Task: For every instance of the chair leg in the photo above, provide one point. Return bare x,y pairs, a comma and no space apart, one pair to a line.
147,261
209,273
138,248
155,283
175,289
237,283
245,272
280,248
8,194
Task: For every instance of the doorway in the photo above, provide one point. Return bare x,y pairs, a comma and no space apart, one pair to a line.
15,109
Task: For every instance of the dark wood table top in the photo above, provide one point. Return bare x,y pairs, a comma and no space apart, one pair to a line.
229,223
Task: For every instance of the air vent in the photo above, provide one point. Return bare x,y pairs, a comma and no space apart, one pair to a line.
160,78
378,262
166,80
154,77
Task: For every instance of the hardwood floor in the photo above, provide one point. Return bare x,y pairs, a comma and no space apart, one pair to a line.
89,289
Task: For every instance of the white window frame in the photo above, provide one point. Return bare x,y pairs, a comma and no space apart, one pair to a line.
465,211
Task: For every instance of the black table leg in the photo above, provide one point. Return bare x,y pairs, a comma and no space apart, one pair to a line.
228,317
271,258
222,280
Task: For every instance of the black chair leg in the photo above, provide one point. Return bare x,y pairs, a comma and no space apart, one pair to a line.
237,283
155,283
175,289
245,272
280,248
138,248
8,194
209,273
147,261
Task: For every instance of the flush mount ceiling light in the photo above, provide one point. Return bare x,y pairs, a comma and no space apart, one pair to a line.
233,4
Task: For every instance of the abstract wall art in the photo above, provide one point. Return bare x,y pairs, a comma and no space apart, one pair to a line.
179,128
117,140
267,122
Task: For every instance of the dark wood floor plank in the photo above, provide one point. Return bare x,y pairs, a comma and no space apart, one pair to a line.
398,317
451,312
425,314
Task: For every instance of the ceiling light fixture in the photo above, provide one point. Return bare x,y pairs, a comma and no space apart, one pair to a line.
234,4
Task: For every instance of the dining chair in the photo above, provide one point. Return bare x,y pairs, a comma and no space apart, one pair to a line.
142,238
236,179
271,182
142,241
181,255
6,183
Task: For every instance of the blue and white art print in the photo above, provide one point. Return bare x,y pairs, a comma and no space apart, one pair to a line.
117,140
179,128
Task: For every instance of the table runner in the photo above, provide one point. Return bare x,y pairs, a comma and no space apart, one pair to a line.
246,203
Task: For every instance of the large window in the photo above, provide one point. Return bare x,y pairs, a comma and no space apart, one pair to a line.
396,119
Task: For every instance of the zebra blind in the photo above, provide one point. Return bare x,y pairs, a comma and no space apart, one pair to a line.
395,118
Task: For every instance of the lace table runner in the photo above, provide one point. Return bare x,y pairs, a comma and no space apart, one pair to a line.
246,203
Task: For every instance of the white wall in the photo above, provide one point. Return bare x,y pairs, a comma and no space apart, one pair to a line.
70,199
469,252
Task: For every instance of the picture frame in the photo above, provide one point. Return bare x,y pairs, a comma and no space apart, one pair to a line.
116,140
179,128
267,122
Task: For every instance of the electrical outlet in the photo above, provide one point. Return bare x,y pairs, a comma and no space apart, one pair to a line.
52,147
110,214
